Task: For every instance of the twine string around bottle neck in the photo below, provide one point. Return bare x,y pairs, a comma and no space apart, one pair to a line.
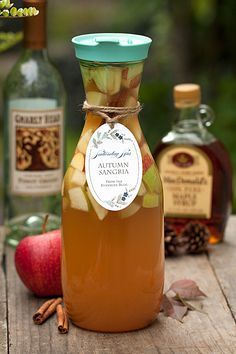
112,114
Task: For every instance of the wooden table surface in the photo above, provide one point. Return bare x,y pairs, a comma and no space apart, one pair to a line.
213,332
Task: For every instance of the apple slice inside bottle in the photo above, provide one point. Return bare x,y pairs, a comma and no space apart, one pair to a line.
78,161
133,82
150,200
67,179
142,190
147,162
65,203
62,188
119,99
131,76
91,86
99,210
132,124
73,178
151,179
78,199
125,98
108,80
78,178
132,209
135,92
132,71
85,71
145,149
96,98
131,101
84,140
92,122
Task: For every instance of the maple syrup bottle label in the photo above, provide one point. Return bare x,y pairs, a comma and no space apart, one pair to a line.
186,174
36,147
113,166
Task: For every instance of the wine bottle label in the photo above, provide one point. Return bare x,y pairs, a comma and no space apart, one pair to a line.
113,166
186,174
36,147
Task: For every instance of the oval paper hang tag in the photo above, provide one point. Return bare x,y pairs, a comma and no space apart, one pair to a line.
113,166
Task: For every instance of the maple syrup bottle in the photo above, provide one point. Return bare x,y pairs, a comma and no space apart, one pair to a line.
197,177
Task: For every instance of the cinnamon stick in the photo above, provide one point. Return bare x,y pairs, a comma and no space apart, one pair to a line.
46,310
62,320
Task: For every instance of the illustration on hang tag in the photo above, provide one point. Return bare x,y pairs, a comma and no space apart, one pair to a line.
113,166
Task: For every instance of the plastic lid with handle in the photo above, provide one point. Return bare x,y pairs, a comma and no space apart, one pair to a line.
111,47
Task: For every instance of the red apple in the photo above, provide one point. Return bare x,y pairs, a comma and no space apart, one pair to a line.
38,263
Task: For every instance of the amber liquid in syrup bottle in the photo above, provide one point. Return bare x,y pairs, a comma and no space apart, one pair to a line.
197,177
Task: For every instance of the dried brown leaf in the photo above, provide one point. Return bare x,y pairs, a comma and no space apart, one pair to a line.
186,288
173,308
190,307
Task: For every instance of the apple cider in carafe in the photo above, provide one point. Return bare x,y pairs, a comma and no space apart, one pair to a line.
113,254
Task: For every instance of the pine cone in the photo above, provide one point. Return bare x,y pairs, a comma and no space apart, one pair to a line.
171,240
194,238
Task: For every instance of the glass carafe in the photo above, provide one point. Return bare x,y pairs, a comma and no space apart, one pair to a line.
113,261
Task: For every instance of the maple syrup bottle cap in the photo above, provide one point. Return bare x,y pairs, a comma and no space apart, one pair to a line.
187,95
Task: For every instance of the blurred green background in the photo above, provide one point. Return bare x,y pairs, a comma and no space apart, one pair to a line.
193,41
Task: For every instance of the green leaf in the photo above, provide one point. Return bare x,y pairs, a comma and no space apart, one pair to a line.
20,12
3,4
5,13
8,4
13,11
31,11
8,40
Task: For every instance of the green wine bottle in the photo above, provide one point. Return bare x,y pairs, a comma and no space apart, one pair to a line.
34,117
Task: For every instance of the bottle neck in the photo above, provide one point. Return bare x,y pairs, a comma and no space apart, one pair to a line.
35,34
35,54
188,120
109,84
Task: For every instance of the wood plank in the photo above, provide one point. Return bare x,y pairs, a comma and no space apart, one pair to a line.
200,333
214,332
223,261
3,303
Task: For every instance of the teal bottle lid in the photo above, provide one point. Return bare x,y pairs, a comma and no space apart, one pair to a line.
111,47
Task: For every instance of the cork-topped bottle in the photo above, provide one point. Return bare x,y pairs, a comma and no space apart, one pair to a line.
34,109
197,177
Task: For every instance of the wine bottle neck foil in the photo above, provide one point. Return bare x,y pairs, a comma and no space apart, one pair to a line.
35,27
